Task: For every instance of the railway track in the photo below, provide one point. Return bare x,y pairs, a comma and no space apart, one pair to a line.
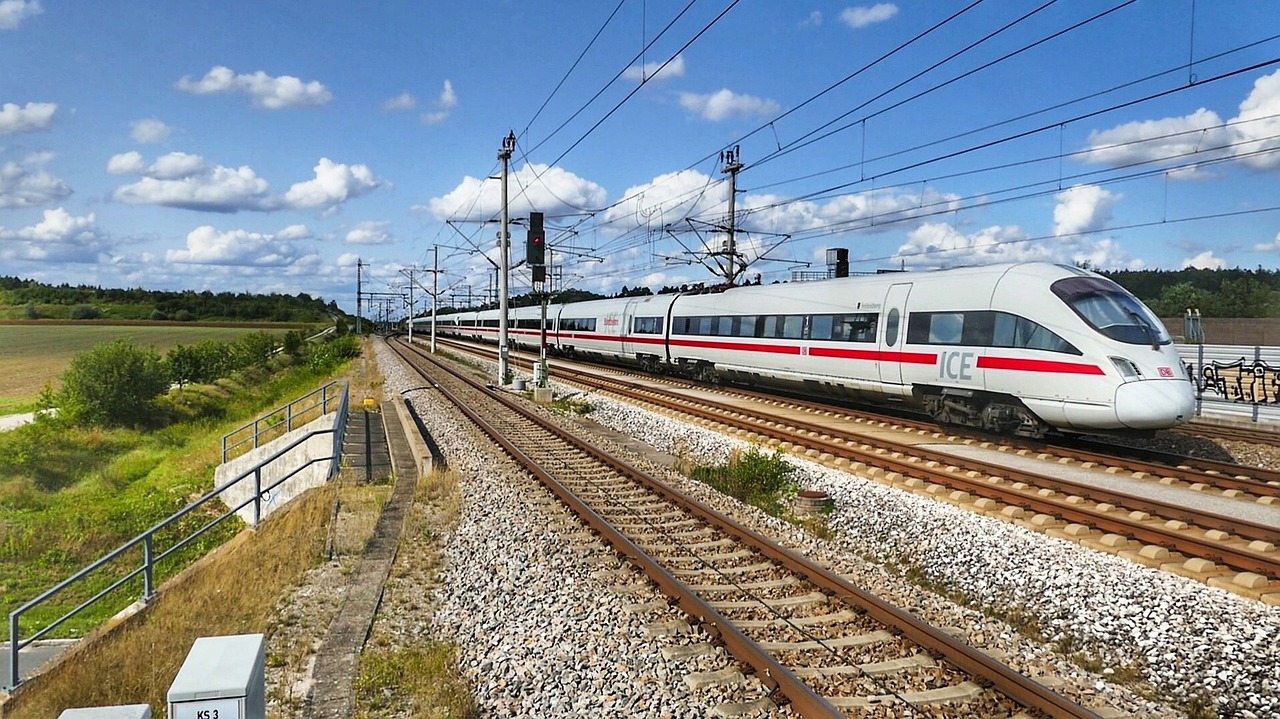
1214,547
826,646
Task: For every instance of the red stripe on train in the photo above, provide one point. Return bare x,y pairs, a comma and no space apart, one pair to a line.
1030,365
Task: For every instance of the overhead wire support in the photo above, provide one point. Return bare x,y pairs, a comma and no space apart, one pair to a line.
504,237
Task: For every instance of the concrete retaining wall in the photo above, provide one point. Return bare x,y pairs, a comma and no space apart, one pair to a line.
315,475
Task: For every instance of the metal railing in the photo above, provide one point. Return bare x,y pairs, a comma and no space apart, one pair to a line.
281,421
147,540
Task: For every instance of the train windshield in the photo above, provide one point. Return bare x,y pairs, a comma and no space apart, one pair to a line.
1108,308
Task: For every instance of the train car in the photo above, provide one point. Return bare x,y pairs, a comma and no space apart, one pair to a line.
1016,348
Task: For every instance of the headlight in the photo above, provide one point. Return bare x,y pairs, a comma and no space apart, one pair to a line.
1126,368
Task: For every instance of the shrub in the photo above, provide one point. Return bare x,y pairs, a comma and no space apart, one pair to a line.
112,384
158,316
31,311
183,316
84,312
759,479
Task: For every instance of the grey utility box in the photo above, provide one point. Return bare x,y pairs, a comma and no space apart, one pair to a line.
222,678
123,711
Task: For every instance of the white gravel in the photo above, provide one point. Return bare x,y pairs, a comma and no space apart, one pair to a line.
520,604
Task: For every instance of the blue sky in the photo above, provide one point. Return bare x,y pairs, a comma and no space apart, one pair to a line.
268,146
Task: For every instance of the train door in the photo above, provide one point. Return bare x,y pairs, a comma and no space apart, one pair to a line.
894,336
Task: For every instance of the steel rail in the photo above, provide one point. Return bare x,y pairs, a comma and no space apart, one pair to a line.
1003,678
1243,560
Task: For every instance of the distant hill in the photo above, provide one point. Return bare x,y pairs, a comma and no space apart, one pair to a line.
22,299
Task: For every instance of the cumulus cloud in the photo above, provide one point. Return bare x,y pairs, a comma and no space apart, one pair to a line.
58,237
814,19
1083,208
939,244
547,189
403,101
651,71
1252,137
186,181
334,184
294,232
13,12
27,118
28,184
207,246
149,131
1205,261
444,106
218,189
724,104
370,233
271,93
862,15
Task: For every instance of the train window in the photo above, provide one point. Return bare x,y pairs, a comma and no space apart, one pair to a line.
722,326
647,326
1014,331
1111,310
855,328
793,327
891,327
820,327
769,326
746,326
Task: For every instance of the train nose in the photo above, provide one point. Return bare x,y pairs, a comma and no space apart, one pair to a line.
1155,404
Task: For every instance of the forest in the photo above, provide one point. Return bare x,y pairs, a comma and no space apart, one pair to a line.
34,300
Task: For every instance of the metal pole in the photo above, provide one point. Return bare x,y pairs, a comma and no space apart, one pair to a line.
148,572
435,291
14,675
411,305
508,146
732,167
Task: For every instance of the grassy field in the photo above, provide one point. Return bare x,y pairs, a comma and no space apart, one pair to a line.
31,355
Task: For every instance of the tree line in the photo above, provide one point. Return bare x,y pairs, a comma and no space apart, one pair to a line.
186,305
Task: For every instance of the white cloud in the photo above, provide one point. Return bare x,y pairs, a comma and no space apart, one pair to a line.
272,93
126,163
724,104
334,183
403,101
1259,128
188,182
1252,137
217,189
1205,261
175,166
370,233
149,131
550,190
448,99
1272,246
649,71
294,232
28,118
1083,208
939,244
667,199
13,12
59,237
862,16
207,246
444,106
814,19
27,183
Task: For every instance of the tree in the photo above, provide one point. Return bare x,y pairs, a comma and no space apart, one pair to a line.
112,384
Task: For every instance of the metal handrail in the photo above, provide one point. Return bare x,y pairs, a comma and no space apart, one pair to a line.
147,539
290,414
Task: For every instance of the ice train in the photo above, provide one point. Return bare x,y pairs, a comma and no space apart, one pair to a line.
1023,348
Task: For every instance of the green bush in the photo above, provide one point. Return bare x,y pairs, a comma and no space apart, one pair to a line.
113,384
759,479
84,312
158,316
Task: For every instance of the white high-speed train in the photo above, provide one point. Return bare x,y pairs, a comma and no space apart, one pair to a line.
1011,348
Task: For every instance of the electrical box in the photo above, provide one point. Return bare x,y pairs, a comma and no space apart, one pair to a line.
123,711
221,678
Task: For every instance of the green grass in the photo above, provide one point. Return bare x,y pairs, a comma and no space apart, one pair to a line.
70,495
38,353
413,682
